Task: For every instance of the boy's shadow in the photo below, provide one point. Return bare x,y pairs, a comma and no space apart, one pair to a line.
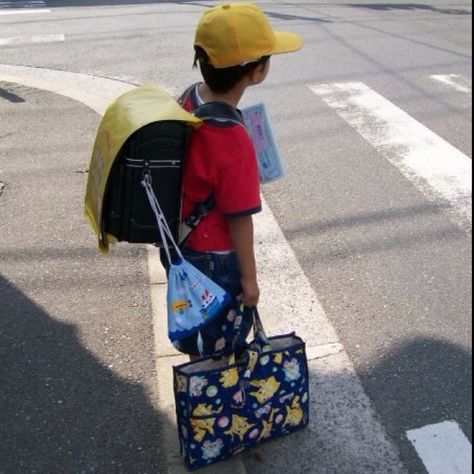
61,410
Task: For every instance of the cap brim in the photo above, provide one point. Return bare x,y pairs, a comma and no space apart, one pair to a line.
286,42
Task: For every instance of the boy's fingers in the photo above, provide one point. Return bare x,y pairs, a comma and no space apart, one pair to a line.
250,292
250,300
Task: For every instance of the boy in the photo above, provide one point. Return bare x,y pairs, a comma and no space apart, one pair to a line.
233,45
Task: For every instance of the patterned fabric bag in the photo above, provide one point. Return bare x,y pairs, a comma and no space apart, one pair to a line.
225,406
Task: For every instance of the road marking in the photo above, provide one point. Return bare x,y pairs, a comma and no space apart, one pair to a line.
23,4
324,350
20,40
438,170
454,81
95,92
281,278
443,448
24,12
27,7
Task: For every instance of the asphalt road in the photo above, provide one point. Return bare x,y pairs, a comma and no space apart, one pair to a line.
391,267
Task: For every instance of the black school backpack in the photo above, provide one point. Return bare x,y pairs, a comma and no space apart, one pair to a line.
146,133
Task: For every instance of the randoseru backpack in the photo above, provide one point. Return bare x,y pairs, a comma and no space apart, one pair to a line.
143,132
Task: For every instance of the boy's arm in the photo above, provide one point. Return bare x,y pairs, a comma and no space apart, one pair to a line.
241,231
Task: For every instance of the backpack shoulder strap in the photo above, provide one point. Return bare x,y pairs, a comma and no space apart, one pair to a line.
184,96
220,114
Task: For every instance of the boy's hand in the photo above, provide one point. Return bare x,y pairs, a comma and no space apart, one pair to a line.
250,292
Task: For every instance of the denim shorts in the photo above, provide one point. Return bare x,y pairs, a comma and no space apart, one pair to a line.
218,336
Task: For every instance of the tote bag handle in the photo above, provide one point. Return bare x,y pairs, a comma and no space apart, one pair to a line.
259,333
260,336
253,354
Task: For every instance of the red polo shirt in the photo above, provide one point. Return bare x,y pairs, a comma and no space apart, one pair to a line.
221,161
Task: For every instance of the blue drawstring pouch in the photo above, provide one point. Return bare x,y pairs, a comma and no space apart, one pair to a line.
193,300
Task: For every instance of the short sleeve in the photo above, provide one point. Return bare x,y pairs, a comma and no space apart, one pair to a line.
237,187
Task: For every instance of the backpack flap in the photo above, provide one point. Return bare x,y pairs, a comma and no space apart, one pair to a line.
127,141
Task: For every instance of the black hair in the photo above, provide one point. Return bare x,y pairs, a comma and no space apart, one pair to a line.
222,80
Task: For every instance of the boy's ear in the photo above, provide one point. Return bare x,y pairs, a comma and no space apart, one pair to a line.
258,75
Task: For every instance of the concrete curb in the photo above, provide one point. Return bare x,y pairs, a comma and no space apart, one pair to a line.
167,357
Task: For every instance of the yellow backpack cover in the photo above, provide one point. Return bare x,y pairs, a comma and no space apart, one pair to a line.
127,114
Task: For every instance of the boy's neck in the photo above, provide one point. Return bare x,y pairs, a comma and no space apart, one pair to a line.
232,97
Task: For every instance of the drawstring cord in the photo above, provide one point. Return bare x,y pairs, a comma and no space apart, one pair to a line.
163,227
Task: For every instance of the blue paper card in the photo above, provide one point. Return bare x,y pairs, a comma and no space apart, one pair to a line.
270,165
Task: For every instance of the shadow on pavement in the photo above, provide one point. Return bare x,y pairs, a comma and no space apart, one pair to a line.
367,218
426,381
285,16
410,7
100,3
61,410
385,217
10,96
422,382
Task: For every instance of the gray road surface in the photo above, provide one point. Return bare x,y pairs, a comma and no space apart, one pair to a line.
391,268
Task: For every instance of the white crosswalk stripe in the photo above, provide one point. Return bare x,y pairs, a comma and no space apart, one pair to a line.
438,170
454,81
443,448
20,40
25,4
25,7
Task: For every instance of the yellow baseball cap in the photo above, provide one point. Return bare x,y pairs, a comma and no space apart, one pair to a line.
233,34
